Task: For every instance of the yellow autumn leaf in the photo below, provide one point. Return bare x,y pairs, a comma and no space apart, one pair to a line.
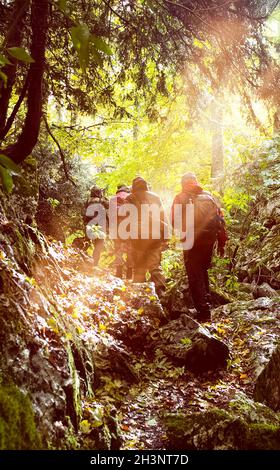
85,426
80,329
102,327
243,376
75,313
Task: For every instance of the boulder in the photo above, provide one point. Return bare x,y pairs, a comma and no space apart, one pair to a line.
141,317
264,290
179,300
245,425
188,343
257,324
267,386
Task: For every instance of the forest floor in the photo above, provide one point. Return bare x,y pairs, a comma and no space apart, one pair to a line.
96,300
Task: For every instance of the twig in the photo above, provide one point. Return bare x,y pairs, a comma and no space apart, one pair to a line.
193,12
60,151
13,114
115,13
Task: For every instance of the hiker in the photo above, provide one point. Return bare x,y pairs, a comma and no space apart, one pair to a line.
122,248
150,231
96,220
209,227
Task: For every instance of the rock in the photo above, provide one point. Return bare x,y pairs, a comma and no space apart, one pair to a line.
264,290
112,358
142,316
260,262
260,321
219,297
267,386
244,426
188,343
179,300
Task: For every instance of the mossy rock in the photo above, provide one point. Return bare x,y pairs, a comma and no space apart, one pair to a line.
247,428
17,426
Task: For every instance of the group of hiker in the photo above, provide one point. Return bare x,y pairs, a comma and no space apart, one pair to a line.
135,219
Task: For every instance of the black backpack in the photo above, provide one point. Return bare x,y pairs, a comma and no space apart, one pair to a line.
207,221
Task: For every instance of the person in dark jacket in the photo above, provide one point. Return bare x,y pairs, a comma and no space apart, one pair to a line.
122,247
209,228
146,248
96,220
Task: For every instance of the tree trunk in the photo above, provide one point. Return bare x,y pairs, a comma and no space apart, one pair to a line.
29,136
13,39
276,122
217,166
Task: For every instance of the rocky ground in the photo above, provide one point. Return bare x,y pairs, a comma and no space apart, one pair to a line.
106,367
90,361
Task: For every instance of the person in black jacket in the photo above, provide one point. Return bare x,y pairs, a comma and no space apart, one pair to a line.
208,227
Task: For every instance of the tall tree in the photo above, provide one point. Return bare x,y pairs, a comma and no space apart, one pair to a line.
13,39
31,127
217,165
113,39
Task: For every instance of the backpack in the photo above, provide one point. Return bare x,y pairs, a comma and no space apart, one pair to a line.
95,230
207,221
155,224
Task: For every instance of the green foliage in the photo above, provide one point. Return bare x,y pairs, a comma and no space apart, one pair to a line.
4,60
172,261
20,54
7,169
101,45
3,77
222,278
6,180
7,163
80,36
186,341
17,426
62,4
53,202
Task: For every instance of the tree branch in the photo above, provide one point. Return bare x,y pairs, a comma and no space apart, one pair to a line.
31,127
13,114
61,153
13,39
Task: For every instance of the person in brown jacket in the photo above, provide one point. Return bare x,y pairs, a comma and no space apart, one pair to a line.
152,230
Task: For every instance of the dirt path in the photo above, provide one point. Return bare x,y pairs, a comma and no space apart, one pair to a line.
162,387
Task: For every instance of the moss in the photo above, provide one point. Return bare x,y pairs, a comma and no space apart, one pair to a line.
180,422
73,397
71,439
218,429
17,426
263,437
31,162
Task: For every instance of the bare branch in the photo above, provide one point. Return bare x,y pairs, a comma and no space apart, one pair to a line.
61,153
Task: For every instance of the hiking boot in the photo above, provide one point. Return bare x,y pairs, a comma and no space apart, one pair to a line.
204,315
192,312
204,318
119,272
129,273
